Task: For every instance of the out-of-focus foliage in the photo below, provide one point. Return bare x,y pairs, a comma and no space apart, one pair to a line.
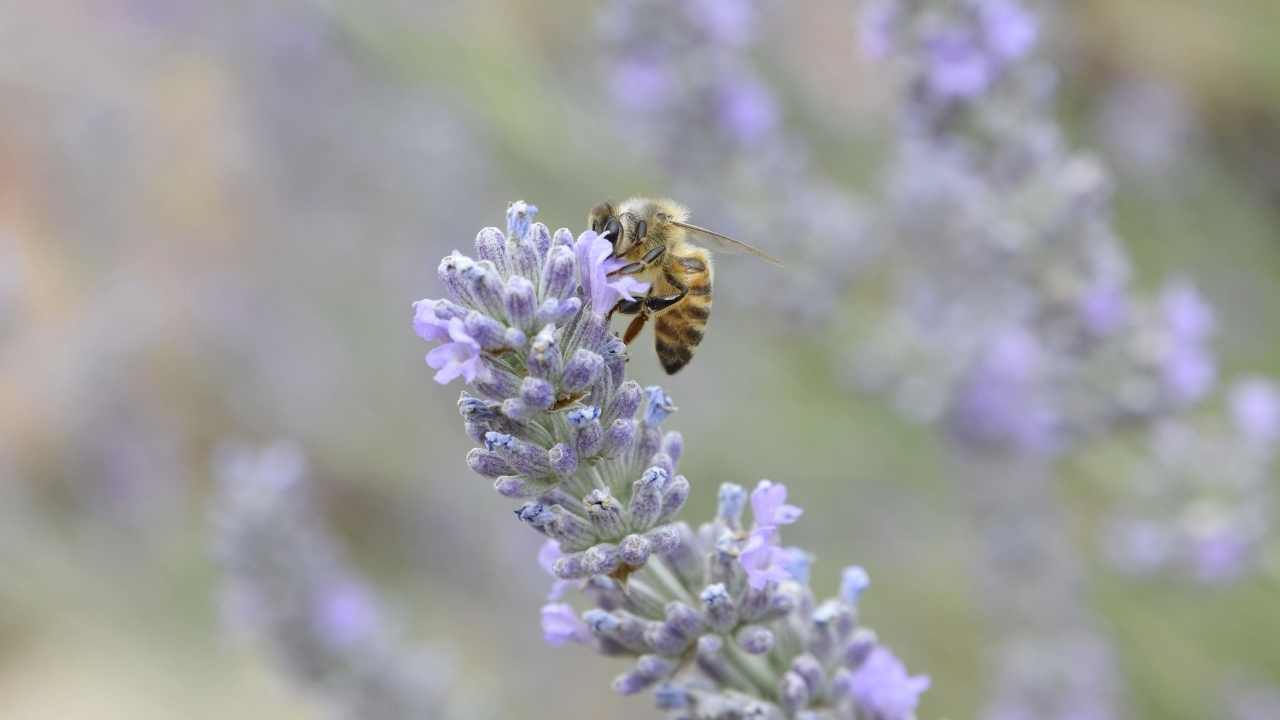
214,216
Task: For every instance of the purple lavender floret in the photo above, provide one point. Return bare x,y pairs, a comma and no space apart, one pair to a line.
584,452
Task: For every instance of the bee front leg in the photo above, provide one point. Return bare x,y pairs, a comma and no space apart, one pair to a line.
650,258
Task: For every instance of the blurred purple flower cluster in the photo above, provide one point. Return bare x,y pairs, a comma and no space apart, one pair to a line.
720,622
1199,502
288,588
687,94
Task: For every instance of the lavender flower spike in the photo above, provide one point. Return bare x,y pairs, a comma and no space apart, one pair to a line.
287,586
584,450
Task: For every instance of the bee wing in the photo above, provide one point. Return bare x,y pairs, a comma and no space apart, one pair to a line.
726,243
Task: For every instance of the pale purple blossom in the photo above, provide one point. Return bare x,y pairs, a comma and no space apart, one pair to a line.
853,582
748,110
1010,29
595,262
882,687
1255,409
769,505
347,615
548,554
641,84
458,357
561,625
958,66
876,27
763,559
726,21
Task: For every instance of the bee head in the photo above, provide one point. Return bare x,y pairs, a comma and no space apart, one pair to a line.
624,231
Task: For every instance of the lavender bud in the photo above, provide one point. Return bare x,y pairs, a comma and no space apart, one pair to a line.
673,446
562,238
619,438
621,627
491,334
756,602
581,371
658,406
647,440
536,515
524,255
663,460
603,559
853,581
842,684
573,531
666,639
815,678
491,245
564,461
589,438
450,271
649,670
520,487
582,417
731,500
663,539
520,215
558,277
625,402
556,312
755,639
836,616
614,352
473,409
537,393
793,693
524,456
572,567
500,384
684,557
684,619
721,611
635,550
669,696
602,623
488,464
859,648
711,660
518,301
540,238
605,513
646,497
518,410
673,498
544,356
485,285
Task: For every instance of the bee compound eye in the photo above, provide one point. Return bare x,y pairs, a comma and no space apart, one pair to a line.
613,231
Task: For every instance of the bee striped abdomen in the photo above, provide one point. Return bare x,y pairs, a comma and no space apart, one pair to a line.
680,328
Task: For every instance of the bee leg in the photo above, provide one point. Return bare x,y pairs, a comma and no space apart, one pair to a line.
656,304
635,327
649,259
627,307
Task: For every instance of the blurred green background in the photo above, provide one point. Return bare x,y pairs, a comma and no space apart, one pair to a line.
213,218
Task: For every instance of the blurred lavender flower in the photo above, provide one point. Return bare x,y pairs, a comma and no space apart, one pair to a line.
287,586
1198,503
721,622
1015,325
688,94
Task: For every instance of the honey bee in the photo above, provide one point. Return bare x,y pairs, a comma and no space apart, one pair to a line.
657,241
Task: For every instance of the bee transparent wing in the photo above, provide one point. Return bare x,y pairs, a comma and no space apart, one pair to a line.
726,243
